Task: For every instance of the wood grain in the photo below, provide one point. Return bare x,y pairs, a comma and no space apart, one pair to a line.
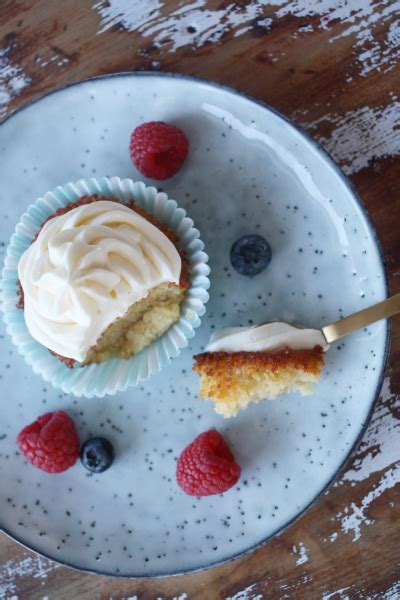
337,77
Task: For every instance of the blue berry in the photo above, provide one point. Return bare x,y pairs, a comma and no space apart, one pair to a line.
97,454
250,255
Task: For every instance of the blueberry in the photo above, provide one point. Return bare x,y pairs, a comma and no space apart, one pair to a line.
97,454
250,255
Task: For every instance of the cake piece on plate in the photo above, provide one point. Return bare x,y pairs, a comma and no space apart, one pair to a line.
241,365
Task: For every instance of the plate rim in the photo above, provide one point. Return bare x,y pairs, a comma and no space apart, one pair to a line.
351,188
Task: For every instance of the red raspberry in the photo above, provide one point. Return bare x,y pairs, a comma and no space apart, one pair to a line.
158,149
51,442
207,466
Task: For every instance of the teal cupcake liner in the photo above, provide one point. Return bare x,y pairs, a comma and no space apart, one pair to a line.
115,374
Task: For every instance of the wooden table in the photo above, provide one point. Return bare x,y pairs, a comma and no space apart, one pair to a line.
334,68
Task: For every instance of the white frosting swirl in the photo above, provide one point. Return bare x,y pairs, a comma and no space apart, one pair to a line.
86,268
271,337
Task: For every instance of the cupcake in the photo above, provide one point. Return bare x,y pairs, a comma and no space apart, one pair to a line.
106,275
242,365
102,279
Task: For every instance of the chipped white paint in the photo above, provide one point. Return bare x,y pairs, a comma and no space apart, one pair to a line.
290,589
361,136
12,571
183,596
371,53
378,454
302,551
195,24
381,56
247,594
190,25
131,14
337,595
381,443
391,594
12,80
55,58
354,516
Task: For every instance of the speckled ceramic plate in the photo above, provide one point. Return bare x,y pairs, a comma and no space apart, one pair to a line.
249,170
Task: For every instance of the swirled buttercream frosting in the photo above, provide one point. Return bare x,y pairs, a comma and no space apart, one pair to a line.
271,337
86,268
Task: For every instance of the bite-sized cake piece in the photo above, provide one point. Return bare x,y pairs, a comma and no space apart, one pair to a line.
247,364
102,279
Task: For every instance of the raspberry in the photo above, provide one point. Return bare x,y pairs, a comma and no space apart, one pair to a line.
158,149
51,442
207,466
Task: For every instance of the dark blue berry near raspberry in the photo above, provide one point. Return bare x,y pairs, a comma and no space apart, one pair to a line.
97,454
250,255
